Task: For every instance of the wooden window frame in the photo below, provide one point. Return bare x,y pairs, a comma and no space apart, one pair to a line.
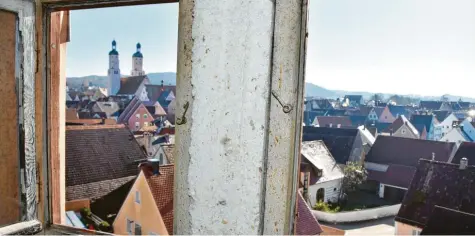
49,141
25,72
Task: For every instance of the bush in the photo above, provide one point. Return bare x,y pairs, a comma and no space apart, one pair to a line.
326,207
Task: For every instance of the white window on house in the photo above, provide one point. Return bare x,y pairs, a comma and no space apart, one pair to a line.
129,226
137,116
137,125
137,196
338,125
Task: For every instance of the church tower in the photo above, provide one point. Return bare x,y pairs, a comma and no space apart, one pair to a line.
137,62
114,71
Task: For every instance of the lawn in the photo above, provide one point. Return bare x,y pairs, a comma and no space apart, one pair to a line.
357,200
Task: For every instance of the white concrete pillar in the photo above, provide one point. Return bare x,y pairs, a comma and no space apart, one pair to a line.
236,169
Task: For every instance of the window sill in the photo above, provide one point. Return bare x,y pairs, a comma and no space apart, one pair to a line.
22,228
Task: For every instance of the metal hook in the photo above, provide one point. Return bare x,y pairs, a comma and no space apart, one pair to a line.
182,120
286,108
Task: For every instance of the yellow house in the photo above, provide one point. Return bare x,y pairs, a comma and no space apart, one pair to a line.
148,208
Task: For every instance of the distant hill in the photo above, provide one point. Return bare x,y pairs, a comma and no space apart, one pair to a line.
169,78
311,90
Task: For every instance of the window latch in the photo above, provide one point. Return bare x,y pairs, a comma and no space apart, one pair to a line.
286,108
182,120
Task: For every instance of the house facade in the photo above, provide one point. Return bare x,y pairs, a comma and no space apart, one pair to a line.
456,135
445,126
135,115
372,116
325,175
386,116
139,214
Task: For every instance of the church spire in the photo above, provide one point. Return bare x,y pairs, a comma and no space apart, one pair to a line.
114,46
138,53
137,62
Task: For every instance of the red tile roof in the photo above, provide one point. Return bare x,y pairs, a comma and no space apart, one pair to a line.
162,190
307,224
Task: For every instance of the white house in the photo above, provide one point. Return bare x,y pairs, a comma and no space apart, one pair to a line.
325,174
456,135
445,126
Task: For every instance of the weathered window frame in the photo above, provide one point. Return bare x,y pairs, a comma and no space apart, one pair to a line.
25,74
293,56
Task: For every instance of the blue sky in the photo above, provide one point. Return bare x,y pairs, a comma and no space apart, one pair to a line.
424,47
92,31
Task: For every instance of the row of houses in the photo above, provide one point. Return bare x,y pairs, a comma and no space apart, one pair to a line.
357,101
432,179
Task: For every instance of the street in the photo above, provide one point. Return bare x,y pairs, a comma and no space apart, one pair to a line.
383,226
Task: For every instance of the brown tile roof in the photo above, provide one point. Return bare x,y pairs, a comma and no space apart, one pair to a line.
100,152
406,151
437,184
161,186
446,221
395,175
129,85
95,190
325,121
306,224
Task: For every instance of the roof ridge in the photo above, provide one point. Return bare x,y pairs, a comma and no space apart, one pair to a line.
88,127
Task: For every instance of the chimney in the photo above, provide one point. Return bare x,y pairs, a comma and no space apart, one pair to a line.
433,156
155,164
162,83
463,163
391,132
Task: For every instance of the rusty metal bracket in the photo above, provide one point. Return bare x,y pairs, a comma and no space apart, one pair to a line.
182,120
286,108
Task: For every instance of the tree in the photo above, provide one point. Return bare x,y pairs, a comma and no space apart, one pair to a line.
376,97
355,175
